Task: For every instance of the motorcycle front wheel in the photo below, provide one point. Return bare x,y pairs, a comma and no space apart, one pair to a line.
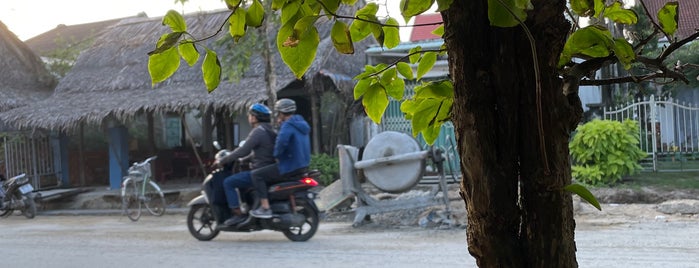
29,210
308,228
201,222
4,213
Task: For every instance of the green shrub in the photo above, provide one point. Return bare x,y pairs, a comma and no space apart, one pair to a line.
603,151
328,166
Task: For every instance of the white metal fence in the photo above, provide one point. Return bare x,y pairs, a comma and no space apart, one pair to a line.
668,131
31,154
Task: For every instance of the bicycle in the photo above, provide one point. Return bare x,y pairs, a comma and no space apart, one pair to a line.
138,188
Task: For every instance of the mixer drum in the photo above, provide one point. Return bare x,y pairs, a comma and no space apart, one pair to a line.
405,167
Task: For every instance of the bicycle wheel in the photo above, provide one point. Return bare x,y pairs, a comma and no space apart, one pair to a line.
154,199
129,199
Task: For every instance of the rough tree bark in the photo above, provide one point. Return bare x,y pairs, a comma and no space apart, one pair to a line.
513,138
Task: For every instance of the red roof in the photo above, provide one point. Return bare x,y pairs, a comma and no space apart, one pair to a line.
688,19
425,32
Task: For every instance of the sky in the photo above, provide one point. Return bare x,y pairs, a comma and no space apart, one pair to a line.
29,18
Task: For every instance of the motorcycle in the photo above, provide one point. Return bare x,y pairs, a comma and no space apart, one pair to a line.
16,193
295,213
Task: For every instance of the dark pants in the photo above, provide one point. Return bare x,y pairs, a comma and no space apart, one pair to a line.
266,175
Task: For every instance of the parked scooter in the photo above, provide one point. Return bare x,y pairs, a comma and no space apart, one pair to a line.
16,193
294,212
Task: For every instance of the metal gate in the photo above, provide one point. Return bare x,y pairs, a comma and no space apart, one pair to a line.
668,131
31,154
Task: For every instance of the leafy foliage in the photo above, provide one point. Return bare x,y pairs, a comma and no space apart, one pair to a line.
605,150
328,166
297,41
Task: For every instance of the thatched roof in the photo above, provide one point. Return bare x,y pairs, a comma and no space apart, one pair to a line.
111,79
66,36
23,78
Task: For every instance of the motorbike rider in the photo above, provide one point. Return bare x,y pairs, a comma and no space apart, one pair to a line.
259,143
292,150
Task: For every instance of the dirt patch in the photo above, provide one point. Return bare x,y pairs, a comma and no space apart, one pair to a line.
645,195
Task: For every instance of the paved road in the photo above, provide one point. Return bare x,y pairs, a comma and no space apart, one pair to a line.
115,241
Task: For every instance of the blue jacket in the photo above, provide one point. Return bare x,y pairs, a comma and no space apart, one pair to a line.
293,146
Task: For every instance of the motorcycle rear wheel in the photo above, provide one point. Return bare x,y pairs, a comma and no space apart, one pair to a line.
201,222
309,227
29,210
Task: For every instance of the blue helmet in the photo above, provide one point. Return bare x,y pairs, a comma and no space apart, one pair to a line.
261,112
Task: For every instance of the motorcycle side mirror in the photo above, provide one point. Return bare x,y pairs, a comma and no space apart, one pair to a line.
217,146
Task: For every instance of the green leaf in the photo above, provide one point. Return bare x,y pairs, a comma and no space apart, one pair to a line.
361,87
439,90
429,108
504,16
349,2
289,11
342,40
361,29
298,54
166,42
375,102
189,53
163,65
599,6
231,4
617,13
255,14
584,8
211,70
424,114
426,63
414,55
443,5
391,33
624,52
175,21
594,41
584,194
277,4
439,31
668,18
331,5
237,24
405,70
411,8
394,86
431,133
304,26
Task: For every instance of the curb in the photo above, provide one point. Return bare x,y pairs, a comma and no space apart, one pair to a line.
104,212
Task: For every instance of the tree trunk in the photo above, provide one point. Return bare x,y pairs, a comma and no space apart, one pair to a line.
513,138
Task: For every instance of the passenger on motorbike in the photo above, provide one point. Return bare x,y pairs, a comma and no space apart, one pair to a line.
292,150
259,143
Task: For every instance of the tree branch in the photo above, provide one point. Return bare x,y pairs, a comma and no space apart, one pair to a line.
632,79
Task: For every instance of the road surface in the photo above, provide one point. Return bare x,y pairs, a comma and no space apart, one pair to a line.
115,241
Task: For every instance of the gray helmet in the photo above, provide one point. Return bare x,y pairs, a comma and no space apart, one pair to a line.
287,106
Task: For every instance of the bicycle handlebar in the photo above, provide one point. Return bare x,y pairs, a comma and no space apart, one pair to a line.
144,162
